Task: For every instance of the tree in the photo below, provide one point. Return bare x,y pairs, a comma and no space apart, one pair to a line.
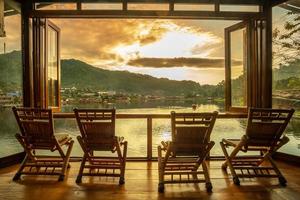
286,40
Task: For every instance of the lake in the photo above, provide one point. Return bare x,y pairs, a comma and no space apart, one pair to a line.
135,130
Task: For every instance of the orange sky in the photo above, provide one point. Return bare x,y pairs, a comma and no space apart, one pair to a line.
174,49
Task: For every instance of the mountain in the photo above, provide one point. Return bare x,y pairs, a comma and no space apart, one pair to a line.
11,71
84,76
291,69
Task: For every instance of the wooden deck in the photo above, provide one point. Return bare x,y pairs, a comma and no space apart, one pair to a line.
141,183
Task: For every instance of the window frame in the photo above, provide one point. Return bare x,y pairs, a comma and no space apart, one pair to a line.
51,25
228,89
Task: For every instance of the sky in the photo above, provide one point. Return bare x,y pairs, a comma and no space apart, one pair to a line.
174,49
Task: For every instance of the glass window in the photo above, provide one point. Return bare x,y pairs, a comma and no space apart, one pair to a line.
148,6
102,6
238,68
194,7
10,84
56,6
52,67
286,69
239,8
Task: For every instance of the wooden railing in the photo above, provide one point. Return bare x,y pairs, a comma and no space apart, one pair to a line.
149,118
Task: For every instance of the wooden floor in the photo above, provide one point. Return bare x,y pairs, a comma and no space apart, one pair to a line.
141,183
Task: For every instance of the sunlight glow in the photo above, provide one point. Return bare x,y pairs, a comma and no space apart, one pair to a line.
175,42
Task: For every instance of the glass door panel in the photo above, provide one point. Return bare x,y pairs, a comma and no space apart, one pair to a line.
236,67
52,66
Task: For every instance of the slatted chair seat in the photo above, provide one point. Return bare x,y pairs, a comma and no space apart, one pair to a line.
264,134
188,150
37,133
97,128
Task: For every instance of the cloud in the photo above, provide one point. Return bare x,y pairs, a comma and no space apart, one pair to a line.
181,62
93,40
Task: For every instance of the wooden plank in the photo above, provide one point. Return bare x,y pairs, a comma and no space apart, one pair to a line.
141,183
229,2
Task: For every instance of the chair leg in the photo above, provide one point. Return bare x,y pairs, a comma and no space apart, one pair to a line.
161,186
17,176
208,184
79,176
224,165
281,178
122,174
229,164
66,162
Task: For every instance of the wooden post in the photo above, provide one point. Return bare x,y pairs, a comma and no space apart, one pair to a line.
2,31
267,67
217,6
78,5
149,138
26,55
171,5
124,5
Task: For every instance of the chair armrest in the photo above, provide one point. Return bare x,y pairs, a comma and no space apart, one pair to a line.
281,142
165,145
231,142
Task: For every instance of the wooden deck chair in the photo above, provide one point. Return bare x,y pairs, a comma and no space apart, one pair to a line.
97,128
36,127
188,150
264,134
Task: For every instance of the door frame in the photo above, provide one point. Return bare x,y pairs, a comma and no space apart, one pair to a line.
49,24
227,37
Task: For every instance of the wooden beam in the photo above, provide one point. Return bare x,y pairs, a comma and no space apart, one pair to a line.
229,2
14,5
26,56
290,8
266,73
144,14
277,2
10,13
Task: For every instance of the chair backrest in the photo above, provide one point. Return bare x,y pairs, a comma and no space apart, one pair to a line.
191,131
36,126
97,127
266,126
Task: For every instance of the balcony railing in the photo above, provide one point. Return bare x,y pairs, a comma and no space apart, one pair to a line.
149,123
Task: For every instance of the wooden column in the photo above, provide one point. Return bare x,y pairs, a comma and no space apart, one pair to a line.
266,72
2,31
26,54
